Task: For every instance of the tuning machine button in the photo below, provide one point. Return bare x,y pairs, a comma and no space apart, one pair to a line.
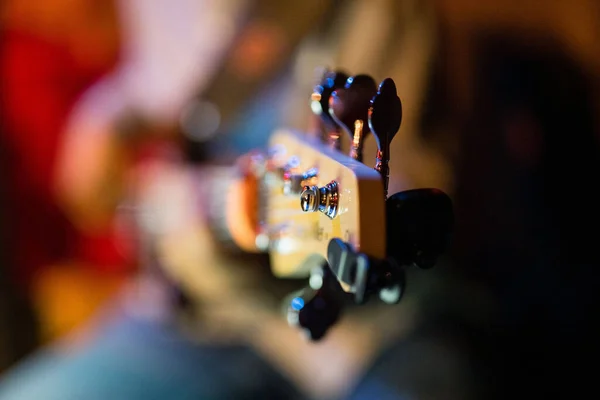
324,199
331,81
385,116
316,310
293,183
349,108
363,276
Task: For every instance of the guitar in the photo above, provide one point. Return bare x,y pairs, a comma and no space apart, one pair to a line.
323,214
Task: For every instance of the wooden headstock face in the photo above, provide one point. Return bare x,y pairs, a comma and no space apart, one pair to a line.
298,239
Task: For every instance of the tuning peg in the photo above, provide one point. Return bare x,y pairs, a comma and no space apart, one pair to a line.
324,199
331,81
385,116
349,107
419,225
362,275
342,261
349,267
315,311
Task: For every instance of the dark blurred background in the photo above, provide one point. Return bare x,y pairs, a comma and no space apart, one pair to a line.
500,104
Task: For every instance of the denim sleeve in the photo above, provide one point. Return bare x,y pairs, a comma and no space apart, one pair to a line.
132,359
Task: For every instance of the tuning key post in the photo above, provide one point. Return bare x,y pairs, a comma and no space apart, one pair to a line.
357,140
385,117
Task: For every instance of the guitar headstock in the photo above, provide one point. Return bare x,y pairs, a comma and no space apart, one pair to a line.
320,211
326,216
324,195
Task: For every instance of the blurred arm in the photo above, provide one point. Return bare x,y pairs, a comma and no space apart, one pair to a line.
169,53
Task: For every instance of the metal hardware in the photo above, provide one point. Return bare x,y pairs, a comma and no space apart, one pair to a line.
349,108
324,199
385,116
319,104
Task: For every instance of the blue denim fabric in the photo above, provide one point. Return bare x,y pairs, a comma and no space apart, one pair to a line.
131,359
